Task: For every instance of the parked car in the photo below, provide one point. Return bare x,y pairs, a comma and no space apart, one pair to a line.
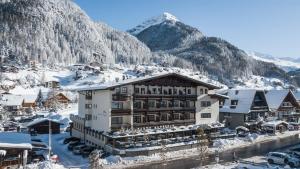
69,139
73,144
85,152
296,126
282,158
77,149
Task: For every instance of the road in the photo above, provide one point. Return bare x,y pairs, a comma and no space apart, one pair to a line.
261,148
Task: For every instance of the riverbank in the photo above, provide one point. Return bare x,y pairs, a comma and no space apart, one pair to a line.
226,149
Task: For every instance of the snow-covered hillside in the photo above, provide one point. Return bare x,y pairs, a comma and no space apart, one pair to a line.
60,32
288,64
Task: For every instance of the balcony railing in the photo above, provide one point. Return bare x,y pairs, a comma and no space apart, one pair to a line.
120,111
120,97
165,109
174,122
165,95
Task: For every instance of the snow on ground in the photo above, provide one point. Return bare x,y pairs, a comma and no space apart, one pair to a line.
114,162
66,157
45,165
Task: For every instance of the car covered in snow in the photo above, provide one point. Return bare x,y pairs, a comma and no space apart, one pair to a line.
85,152
282,159
73,144
77,149
69,139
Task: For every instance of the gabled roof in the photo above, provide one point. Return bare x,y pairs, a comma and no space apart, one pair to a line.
276,97
11,100
146,78
245,99
15,140
37,121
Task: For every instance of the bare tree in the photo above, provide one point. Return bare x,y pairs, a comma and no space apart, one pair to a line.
163,152
94,158
202,143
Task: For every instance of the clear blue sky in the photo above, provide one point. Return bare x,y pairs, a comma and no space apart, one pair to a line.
267,26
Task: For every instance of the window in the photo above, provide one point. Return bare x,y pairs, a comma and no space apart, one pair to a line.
170,103
164,103
234,102
164,117
117,90
174,91
176,117
236,92
170,91
151,118
190,103
182,103
159,90
137,90
205,115
176,103
154,90
189,91
205,104
205,91
137,119
137,104
143,90
124,89
88,95
117,105
151,103
201,91
116,120
88,106
158,104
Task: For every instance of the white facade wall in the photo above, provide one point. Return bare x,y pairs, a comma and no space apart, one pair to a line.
101,105
213,110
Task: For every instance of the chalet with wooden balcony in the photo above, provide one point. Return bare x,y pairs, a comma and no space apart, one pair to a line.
244,107
168,99
283,105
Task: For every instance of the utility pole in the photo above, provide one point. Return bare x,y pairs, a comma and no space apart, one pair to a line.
50,131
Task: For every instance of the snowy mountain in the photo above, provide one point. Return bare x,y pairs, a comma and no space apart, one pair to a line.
288,64
153,21
59,32
212,55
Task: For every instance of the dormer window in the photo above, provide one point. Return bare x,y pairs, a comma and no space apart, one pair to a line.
234,102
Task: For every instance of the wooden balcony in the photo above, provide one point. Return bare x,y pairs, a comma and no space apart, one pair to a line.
120,97
144,96
154,109
120,112
158,123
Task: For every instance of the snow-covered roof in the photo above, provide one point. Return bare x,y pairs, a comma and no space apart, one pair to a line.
274,123
245,99
37,121
144,78
11,100
30,98
275,98
15,140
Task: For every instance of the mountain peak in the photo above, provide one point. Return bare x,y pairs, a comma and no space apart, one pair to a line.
153,21
169,17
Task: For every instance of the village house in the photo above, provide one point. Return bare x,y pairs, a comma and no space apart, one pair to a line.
14,149
30,101
58,98
12,103
172,104
41,126
283,105
245,107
